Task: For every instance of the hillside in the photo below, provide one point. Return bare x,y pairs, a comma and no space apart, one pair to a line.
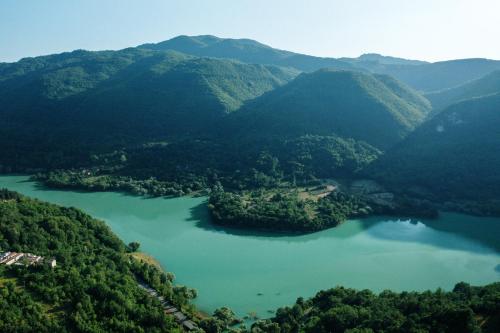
321,125
486,85
105,99
373,108
453,155
93,288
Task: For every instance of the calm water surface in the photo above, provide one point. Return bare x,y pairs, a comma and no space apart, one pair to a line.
259,272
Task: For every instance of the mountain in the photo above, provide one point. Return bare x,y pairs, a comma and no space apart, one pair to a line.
59,110
420,75
376,109
119,97
442,75
372,61
245,50
487,85
453,155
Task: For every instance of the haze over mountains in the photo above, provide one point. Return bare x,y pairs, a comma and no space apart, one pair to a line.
486,85
235,94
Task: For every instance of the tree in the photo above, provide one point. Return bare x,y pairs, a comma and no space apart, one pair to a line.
133,246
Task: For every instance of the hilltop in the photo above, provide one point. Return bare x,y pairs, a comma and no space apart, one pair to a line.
372,108
245,50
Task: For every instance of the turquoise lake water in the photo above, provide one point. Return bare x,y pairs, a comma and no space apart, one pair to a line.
252,272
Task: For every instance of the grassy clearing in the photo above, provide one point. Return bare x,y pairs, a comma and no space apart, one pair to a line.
141,256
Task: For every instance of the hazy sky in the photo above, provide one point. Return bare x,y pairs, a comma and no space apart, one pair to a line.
419,29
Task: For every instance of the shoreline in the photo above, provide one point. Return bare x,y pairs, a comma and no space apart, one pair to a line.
145,256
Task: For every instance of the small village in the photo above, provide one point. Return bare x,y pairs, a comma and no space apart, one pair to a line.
169,309
25,259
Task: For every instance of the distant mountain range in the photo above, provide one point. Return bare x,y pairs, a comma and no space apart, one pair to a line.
423,76
245,50
376,59
486,85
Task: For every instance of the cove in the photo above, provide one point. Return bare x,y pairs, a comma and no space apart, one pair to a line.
257,272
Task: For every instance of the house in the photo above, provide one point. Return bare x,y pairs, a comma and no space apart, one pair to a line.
11,258
188,324
179,316
52,262
25,259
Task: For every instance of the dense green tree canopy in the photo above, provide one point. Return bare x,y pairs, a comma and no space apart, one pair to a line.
375,109
93,288
465,309
453,155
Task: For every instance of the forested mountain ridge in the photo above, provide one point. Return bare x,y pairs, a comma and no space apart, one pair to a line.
373,108
453,155
146,85
163,123
486,85
152,120
442,75
115,98
420,75
245,50
60,108
378,59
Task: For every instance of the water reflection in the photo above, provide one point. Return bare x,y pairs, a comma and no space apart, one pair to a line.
482,237
463,232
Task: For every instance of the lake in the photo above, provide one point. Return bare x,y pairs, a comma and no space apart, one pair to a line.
257,272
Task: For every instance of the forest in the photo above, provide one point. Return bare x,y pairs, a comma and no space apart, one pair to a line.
93,288
120,120
283,212
264,133
464,309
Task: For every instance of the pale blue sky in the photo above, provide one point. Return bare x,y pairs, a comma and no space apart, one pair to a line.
419,29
